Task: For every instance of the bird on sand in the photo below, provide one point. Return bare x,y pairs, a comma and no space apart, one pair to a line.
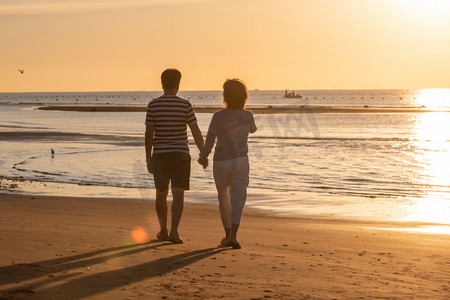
21,71
52,151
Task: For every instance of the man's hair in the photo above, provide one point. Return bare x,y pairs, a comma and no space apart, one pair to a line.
170,78
235,93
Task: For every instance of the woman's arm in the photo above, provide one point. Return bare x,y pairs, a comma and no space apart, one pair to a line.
209,143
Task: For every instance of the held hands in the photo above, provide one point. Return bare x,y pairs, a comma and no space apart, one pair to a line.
203,161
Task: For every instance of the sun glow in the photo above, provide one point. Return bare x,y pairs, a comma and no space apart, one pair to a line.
432,153
434,98
429,9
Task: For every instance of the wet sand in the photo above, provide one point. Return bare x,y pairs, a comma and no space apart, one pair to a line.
254,109
73,248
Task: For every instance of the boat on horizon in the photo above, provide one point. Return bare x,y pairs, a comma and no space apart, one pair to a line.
292,94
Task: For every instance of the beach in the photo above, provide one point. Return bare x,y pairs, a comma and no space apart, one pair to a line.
325,120
83,248
343,204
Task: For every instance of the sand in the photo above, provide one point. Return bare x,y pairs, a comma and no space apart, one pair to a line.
81,248
255,109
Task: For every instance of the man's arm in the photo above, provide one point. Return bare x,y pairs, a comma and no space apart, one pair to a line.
149,131
198,137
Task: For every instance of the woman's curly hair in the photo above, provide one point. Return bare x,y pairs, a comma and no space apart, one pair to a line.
235,93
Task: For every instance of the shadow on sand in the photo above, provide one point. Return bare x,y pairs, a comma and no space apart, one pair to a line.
87,284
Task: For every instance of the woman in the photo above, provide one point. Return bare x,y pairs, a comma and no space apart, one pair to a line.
231,127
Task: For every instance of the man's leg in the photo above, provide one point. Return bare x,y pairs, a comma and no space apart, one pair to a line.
177,208
181,169
161,209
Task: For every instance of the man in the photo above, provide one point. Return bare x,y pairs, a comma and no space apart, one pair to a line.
167,151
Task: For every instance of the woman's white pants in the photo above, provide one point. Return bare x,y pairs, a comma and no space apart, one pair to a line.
231,178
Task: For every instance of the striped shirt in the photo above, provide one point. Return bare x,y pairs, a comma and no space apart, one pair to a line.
169,115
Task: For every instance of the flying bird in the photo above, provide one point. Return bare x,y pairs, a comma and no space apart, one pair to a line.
21,71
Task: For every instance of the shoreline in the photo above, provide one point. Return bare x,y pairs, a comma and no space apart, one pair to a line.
307,205
269,109
83,248
211,204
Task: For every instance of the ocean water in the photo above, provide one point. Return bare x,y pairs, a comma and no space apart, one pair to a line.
369,165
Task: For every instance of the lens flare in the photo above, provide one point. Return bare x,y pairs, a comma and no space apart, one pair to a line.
139,235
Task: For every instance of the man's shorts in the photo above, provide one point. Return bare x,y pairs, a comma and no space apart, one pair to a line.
174,167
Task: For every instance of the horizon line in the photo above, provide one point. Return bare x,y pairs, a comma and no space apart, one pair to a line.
206,90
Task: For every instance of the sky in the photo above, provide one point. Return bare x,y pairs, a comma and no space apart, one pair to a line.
124,45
